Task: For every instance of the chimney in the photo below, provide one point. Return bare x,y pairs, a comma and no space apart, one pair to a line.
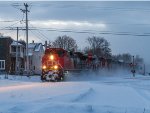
45,44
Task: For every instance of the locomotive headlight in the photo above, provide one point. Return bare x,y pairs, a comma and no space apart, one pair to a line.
55,67
51,57
44,67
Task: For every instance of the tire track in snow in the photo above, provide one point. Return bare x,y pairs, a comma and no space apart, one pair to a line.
83,95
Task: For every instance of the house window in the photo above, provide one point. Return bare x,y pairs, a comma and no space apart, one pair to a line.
2,64
13,49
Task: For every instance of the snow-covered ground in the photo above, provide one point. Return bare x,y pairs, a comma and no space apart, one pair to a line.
79,93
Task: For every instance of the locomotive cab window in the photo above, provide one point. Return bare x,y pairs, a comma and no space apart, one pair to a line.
60,53
49,52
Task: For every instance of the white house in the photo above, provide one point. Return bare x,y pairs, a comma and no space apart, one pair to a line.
36,52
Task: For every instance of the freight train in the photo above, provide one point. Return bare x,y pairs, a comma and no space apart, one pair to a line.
56,61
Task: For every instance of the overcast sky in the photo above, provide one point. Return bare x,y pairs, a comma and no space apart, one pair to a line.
126,25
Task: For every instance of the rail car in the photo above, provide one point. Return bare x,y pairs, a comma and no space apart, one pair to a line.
54,62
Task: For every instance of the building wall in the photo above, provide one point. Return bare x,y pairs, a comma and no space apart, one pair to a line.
5,52
37,64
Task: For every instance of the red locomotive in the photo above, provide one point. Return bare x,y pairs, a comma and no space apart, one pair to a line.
54,62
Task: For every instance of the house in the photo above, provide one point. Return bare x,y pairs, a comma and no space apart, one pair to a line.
5,57
35,53
8,55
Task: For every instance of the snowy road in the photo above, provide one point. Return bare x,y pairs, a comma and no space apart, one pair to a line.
103,95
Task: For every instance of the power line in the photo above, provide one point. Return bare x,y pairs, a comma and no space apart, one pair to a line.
146,34
93,32
16,6
45,37
8,32
9,21
42,35
84,6
37,35
10,25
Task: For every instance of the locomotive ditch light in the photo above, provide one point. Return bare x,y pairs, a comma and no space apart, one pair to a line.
51,57
55,67
44,67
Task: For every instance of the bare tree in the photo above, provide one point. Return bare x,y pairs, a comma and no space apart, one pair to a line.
125,57
98,46
65,42
107,50
139,60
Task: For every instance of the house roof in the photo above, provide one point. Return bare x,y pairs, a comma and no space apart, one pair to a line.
35,46
5,36
14,43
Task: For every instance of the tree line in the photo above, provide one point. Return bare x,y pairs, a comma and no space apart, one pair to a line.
98,46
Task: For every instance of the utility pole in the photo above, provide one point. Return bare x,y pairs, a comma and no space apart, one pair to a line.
133,69
17,53
27,57
144,70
